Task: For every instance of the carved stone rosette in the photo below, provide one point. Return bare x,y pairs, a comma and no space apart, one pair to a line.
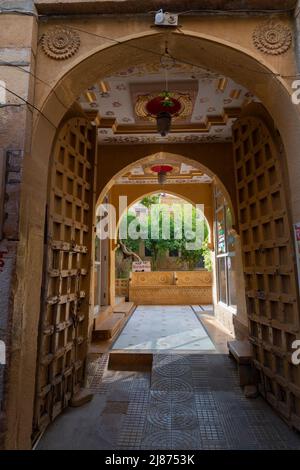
60,43
272,38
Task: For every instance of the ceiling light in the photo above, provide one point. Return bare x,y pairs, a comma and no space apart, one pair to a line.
97,120
163,121
90,96
162,172
104,87
235,94
222,84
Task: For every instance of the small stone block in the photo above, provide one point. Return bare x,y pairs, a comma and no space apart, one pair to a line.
251,391
81,398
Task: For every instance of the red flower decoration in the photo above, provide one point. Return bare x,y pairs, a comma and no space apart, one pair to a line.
156,106
161,168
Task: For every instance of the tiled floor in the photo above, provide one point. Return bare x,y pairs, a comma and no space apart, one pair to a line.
189,401
163,327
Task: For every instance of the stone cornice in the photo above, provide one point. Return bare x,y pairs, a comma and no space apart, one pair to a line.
144,6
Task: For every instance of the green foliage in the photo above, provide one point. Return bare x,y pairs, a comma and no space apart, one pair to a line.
206,253
148,201
167,101
123,265
132,245
160,246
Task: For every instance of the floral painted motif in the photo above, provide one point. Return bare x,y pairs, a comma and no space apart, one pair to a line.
121,87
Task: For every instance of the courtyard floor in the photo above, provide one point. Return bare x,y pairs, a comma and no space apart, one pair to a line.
165,327
187,400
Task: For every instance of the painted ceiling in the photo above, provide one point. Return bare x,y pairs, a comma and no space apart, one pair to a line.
210,104
180,173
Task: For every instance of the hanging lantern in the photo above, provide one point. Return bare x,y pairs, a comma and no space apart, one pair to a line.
162,172
163,107
163,121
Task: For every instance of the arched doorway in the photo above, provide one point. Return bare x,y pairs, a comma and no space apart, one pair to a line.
76,80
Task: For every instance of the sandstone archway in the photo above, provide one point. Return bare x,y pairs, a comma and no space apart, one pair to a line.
257,74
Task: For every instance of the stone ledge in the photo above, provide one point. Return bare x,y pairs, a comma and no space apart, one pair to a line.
145,6
22,6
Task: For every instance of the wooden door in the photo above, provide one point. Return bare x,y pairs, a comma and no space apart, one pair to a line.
269,262
64,318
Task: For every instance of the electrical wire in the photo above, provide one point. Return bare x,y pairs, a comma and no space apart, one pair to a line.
228,11
203,11
160,54
30,105
116,41
10,64
11,105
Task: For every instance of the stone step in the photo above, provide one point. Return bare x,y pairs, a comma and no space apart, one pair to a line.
107,328
105,312
119,300
125,307
241,351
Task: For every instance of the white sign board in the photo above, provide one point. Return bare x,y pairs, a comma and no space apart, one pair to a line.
141,267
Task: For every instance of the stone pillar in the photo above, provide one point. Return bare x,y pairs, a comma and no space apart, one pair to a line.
18,42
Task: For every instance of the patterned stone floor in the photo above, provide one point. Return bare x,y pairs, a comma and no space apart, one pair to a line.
187,402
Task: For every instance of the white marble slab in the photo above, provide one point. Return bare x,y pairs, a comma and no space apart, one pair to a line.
164,328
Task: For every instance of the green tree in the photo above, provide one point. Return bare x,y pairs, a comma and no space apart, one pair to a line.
130,243
148,201
159,245
193,256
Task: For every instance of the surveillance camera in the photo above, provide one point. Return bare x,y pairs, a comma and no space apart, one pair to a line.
165,19
159,17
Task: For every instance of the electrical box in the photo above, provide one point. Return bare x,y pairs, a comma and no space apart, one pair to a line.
166,19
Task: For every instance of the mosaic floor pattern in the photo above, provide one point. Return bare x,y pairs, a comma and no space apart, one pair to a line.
187,402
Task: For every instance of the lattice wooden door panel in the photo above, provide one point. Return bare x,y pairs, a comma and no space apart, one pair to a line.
65,314
268,255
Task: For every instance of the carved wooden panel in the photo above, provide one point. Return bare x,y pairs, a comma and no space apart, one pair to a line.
65,311
268,256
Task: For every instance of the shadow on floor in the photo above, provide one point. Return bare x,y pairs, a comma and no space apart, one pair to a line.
187,402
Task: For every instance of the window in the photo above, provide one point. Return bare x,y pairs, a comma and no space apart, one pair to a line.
225,252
